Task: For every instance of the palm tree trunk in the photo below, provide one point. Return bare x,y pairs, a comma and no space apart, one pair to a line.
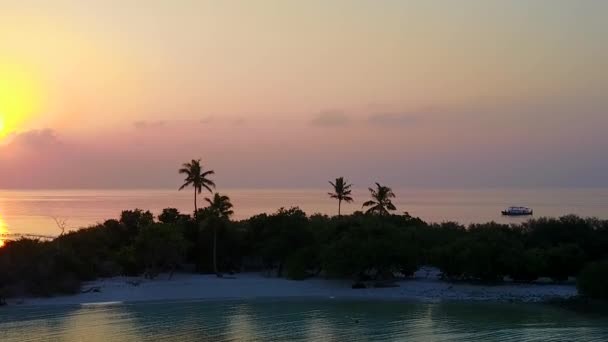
195,207
215,249
339,207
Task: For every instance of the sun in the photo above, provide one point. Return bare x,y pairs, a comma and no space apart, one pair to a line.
18,98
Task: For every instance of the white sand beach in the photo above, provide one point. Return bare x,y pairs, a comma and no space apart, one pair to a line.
423,287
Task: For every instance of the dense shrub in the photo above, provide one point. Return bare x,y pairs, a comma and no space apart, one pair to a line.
301,264
370,245
527,265
173,216
159,247
593,280
563,261
486,252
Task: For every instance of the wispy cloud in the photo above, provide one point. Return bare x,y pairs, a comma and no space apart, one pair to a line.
331,119
207,119
143,124
393,119
35,139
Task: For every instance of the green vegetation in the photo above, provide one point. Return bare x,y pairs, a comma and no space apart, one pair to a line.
593,280
375,245
359,246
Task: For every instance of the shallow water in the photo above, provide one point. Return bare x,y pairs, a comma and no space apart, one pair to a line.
298,320
33,211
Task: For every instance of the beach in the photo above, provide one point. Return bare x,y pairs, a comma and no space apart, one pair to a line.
424,286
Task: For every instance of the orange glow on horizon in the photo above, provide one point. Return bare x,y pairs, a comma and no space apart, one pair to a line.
3,230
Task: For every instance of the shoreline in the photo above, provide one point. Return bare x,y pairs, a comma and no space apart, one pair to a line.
249,286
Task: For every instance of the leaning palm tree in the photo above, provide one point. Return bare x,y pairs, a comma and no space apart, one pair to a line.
197,178
220,208
381,200
341,192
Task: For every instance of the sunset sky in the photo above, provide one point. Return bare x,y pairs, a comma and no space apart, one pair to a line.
284,93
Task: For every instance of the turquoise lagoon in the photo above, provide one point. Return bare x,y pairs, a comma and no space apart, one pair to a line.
299,320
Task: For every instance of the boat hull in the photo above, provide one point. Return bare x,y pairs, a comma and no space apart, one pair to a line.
506,213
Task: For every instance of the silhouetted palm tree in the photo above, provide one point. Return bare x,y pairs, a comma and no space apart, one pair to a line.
196,177
221,208
341,192
381,200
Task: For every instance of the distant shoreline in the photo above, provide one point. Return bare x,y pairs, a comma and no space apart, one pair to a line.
423,287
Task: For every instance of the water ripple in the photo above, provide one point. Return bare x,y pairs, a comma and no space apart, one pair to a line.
274,320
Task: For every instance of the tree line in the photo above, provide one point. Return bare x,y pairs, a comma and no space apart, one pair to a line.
370,245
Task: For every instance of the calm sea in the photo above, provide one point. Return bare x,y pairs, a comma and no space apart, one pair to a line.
35,211
310,320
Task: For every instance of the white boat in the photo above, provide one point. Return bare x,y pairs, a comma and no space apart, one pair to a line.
517,211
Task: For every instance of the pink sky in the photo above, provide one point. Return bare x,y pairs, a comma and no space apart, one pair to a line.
292,93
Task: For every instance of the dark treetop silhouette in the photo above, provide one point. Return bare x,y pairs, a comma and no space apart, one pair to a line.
342,192
381,200
197,177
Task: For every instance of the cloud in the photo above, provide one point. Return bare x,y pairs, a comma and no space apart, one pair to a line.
393,119
331,119
239,122
206,119
143,124
34,139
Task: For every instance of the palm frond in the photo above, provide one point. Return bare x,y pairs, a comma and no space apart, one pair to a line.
371,210
207,181
368,203
207,173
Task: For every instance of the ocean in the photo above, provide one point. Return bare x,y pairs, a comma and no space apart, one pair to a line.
36,211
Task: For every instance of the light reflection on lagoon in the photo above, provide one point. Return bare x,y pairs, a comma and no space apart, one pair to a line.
99,323
299,320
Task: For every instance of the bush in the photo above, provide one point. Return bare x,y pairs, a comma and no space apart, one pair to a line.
127,261
135,220
563,261
528,265
172,216
593,280
159,247
486,253
298,264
